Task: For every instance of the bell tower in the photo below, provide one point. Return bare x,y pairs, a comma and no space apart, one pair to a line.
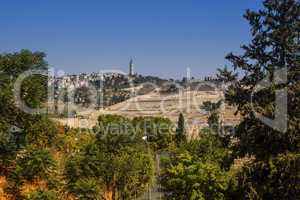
131,70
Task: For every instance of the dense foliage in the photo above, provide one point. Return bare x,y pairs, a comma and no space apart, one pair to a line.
276,179
43,160
188,178
260,161
195,170
113,166
26,139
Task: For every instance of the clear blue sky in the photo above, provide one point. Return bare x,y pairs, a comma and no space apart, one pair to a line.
163,36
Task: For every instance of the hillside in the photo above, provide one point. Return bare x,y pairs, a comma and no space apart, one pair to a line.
162,105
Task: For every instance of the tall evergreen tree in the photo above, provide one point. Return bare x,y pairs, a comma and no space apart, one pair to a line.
275,45
180,131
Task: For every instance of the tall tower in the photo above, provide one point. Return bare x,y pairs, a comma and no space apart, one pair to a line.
131,70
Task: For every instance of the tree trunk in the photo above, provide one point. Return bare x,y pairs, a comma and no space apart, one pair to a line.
108,195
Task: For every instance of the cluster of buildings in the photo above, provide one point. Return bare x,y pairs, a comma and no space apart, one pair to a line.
84,80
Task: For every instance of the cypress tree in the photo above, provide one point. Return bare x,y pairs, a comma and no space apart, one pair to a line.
180,131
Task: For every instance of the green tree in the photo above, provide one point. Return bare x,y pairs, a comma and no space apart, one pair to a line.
10,142
183,178
23,137
33,91
214,120
209,147
42,133
274,46
34,88
34,166
225,75
210,107
83,96
180,136
197,170
114,166
276,179
11,66
159,132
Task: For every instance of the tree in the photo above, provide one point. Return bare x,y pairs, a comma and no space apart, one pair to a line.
100,174
210,107
42,133
225,75
214,121
196,170
10,142
275,45
276,179
158,131
25,138
34,88
114,166
33,166
33,92
180,136
83,96
209,147
183,178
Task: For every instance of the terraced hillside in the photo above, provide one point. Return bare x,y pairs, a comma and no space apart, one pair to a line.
163,105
